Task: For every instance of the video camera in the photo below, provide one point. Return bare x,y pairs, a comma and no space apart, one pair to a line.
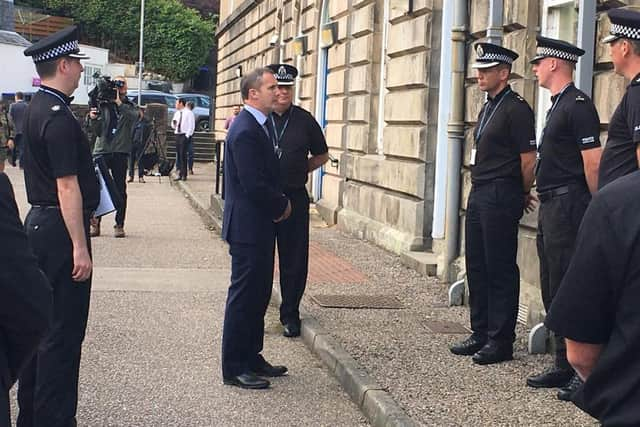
104,91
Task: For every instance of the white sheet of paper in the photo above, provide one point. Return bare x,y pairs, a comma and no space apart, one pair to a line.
106,204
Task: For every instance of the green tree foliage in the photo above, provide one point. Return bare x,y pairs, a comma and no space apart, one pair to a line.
177,40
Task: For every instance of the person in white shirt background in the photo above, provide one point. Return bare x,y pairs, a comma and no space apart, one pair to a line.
183,123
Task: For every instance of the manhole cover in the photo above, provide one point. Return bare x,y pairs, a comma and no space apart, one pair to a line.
445,327
357,301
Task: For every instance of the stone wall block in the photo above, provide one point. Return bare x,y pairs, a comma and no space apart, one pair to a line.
403,176
309,20
337,56
359,108
602,30
474,100
307,87
411,35
523,42
337,7
400,8
405,141
521,14
406,106
468,145
608,89
334,133
360,78
357,137
361,49
335,108
362,21
385,207
335,82
408,70
479,17
343,27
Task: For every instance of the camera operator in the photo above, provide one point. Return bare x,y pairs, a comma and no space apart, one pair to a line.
112,123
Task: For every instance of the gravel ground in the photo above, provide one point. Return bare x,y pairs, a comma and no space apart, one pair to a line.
415,365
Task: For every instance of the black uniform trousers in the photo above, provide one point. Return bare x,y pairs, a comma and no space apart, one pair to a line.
117,164
137,150
558,221
247,301
25,300
181,154
293,252
491,245
48,386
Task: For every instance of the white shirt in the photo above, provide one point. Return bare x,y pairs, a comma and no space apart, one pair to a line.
187,122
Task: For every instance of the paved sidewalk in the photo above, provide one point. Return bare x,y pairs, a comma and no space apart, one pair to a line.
152,353
400,352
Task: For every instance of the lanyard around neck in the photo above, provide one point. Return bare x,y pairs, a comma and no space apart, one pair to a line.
483,122
550,112
278,137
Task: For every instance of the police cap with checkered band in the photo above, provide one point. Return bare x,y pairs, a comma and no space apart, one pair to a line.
489,55
285,74
625,24
553,48
57,45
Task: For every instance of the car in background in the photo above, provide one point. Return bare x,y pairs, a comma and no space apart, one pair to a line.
154,97
202,106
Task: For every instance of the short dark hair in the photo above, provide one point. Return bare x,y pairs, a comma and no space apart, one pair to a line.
182,101
253,80
191,105
47,69
19,95
635,45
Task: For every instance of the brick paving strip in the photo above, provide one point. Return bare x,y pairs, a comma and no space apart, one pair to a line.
374,401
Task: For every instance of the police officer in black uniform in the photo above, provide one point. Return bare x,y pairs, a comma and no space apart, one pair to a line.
302,149
62,189
25,298
566,173
602,325
621,154
502,162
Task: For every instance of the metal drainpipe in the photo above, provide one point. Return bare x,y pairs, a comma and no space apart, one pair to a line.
444,95
494,30
586,35
455,133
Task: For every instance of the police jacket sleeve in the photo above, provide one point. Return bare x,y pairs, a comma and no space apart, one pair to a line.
318,143
24,289
585,123
261,189
633,111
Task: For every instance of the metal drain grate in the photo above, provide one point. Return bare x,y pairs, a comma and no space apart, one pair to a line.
445,327
357,301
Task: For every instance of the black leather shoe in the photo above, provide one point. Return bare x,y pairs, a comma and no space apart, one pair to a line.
468,347
566,392
268,370
247,380
291,330
551,378
493,352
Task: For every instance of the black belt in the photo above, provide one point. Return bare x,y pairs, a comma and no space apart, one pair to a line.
57,207
550,194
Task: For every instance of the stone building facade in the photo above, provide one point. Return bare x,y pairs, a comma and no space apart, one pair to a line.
375,74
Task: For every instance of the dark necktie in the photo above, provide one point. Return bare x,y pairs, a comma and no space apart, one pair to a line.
179,122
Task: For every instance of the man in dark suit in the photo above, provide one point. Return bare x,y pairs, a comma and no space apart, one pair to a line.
254,203
25,298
